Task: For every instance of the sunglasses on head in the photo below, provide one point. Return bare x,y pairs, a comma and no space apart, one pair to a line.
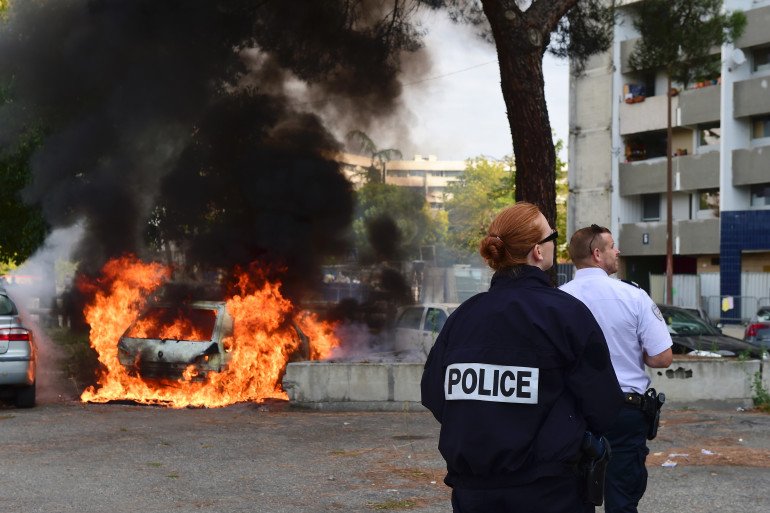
596,230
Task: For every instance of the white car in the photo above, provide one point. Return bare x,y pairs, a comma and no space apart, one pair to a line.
417,327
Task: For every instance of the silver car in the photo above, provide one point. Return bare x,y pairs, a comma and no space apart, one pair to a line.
417,327
18,355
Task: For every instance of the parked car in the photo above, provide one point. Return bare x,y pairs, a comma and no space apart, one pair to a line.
693,336
417,326
18,355
167,338
702,315
758,329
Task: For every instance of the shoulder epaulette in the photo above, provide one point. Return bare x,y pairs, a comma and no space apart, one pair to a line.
633,283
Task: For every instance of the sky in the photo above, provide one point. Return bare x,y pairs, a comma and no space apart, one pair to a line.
458,110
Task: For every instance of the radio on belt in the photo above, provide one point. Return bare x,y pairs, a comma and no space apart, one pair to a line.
495,383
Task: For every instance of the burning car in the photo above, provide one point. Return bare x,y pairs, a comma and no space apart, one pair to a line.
183,341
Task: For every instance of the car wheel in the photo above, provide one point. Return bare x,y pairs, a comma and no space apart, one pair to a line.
25,397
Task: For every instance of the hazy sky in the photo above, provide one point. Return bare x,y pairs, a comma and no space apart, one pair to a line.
458,112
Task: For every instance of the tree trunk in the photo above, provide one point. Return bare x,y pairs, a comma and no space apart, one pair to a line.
521,38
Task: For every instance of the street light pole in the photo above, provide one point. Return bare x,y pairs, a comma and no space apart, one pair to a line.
669,208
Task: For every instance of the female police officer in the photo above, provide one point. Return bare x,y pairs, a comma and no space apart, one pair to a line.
516,377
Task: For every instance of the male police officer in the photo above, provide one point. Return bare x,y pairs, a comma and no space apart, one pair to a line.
636,335
516,377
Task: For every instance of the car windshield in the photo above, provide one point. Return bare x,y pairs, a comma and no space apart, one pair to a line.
680,322
193,324
763,315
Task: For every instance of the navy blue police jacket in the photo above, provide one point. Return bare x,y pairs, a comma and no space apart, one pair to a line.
516,376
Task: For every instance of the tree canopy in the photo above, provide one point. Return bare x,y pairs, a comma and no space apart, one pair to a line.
485,187
392,222
683,36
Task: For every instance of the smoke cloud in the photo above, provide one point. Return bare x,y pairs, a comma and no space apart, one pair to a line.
176,124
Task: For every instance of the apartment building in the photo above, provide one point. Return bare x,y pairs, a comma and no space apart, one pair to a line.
424,172
721,163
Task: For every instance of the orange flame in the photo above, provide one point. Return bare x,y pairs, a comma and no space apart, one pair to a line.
259,349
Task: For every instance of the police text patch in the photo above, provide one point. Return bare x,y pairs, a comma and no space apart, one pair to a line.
496,383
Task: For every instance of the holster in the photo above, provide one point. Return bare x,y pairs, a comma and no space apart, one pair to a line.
652,402
596,456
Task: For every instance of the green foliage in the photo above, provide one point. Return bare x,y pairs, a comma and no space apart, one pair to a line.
417,225
562,194
679,35
22,227
484,189
761,396
380,157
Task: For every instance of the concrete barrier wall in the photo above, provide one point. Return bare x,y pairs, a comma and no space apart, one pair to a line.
693,381
396,386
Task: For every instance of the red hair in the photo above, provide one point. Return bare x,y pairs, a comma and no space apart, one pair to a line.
511,236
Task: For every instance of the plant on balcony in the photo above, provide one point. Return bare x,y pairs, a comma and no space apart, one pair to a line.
678,36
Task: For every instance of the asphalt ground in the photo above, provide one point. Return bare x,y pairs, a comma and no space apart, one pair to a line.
66,456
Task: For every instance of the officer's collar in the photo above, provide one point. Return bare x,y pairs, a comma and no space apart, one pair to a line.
590,271
519,272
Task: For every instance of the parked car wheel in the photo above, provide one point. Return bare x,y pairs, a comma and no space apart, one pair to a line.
25,396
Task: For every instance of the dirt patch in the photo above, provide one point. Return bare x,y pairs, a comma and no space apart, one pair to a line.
713,438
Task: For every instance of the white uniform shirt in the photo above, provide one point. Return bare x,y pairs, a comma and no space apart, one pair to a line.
630,320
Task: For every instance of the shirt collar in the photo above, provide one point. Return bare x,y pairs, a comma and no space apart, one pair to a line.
587,272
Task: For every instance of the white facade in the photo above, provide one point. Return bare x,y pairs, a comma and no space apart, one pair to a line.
721,147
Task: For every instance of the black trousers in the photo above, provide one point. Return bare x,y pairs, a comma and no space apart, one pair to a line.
626,478
546,495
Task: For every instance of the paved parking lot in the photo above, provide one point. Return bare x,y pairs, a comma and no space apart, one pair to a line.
67,457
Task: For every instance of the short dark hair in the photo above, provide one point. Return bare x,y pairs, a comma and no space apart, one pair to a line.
584,241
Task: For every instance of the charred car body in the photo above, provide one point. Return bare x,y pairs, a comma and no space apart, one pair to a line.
173,340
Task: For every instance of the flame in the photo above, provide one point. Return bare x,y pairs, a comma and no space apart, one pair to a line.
261,344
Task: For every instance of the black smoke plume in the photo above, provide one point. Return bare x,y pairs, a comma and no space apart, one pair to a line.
171,122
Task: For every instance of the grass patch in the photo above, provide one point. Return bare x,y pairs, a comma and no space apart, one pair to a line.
395,504
412,473
155,464
761,396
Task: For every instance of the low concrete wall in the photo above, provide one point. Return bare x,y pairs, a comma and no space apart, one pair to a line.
693,381
354,386
396,386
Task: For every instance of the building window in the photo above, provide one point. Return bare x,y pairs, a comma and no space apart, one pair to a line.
760,127
760,195
708,135
761,58
650,207
708,199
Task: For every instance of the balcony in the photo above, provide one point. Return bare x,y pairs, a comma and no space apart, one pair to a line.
756,29
689,173
696,237
750,166
700,105
647,115
751,97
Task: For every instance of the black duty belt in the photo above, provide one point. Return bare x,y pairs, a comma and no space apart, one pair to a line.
633,399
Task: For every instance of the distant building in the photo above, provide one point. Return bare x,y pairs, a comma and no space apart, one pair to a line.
426,173
721,148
